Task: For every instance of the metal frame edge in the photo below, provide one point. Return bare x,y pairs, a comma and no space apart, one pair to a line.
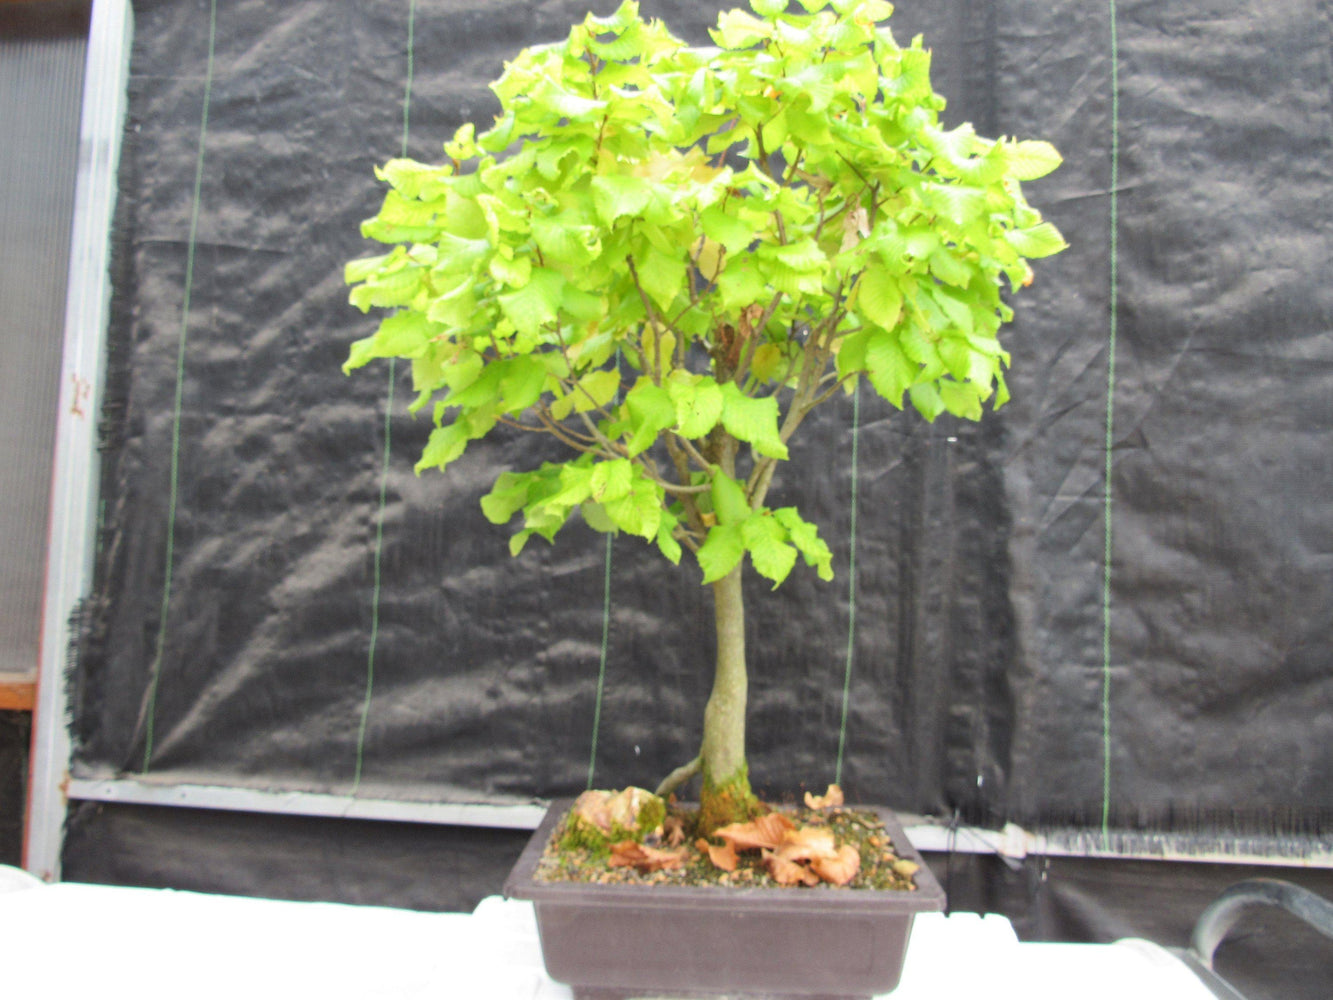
74,479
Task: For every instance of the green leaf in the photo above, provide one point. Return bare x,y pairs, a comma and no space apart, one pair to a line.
1041,240
1030,159
444,446
639,511
726,228
596,389
768,8
879,297
766,539
535,304
615,196
957,203
805,536
611,480
926,398
891,371
738,29
662,275
357,271
594,515
507,497
666,541
650,411
962,399
721,551
729,502
698,402
752,419
512,271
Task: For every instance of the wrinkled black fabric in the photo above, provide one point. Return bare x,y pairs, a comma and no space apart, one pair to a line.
977,681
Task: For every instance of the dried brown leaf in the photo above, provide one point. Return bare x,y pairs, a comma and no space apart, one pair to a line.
765,832
673,830
806,843
839,869
642,858
722,855
829,800
787,872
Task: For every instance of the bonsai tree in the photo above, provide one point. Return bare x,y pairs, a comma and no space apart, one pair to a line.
665,258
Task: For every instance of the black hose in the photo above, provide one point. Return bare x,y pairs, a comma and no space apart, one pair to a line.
1223,912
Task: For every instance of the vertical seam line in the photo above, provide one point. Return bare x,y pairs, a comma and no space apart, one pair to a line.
155,671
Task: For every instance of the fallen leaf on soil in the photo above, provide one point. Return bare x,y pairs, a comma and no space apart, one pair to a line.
787,872
640,857
673,830
722,855
840,868
829,800
807,843
765,832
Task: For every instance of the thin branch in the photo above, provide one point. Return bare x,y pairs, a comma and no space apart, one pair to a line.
679,776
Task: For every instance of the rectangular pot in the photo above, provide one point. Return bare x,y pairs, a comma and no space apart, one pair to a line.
609,941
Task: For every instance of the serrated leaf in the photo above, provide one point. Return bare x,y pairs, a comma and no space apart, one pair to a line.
721,551
535,304
666,541
739,29
507,497
728,496
926,398
879,297
445,445
805,536
521,382
891,371
731,231
962,399
594,515
615,196
1031,158
766,540
638,512
698,402
957,203
650,411
514,272
752,419
611,480
356,271
1041,240
663,275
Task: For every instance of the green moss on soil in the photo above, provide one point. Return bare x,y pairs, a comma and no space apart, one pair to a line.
727,801
578,834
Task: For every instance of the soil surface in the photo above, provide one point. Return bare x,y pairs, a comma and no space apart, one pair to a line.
881,867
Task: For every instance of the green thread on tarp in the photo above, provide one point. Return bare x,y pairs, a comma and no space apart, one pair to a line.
1110,431
851,584
155,671
384,464
606,642
601,664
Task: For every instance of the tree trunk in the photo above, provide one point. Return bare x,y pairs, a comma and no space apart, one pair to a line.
726,796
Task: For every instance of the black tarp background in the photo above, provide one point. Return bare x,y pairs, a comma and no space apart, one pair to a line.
985,680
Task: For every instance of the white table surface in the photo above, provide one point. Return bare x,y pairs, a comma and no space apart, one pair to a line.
85,941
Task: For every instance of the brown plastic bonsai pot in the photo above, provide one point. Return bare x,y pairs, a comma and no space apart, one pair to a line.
618,941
